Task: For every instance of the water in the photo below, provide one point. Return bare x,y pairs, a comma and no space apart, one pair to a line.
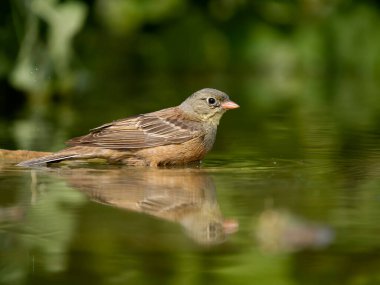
283,205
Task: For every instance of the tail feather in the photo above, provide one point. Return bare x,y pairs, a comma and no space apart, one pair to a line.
78,152
46,159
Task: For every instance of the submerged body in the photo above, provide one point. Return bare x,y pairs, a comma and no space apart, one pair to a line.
172,136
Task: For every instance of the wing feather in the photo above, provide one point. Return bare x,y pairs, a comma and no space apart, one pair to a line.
153,129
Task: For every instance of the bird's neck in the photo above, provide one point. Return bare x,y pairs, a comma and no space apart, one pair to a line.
211,118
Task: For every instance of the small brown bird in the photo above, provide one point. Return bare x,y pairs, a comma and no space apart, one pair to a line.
172,136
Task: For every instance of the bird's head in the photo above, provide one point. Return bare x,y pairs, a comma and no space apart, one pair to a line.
208,105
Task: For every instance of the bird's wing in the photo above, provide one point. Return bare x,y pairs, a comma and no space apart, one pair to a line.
163,127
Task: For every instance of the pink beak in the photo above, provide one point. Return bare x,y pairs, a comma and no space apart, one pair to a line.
228,105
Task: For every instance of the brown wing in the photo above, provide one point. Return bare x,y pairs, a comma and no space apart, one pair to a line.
153,129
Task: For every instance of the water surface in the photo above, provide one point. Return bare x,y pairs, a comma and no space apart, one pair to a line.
272,208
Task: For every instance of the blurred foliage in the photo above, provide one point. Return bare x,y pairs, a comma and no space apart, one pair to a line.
43,61
297,59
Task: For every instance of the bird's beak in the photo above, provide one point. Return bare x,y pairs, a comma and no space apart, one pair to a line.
228,105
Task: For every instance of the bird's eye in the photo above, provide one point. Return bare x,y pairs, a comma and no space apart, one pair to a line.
211,101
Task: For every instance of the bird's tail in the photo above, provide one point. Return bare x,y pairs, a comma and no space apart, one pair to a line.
67,153
55,157
77,153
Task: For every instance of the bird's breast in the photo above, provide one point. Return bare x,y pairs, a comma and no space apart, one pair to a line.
183,153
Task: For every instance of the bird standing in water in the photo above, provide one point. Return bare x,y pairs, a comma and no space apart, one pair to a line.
173,136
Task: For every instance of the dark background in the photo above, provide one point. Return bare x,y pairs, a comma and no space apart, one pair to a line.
68,66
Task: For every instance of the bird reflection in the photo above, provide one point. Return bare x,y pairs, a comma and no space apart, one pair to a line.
184,196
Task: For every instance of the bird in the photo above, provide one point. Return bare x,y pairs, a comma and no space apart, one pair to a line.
173,136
